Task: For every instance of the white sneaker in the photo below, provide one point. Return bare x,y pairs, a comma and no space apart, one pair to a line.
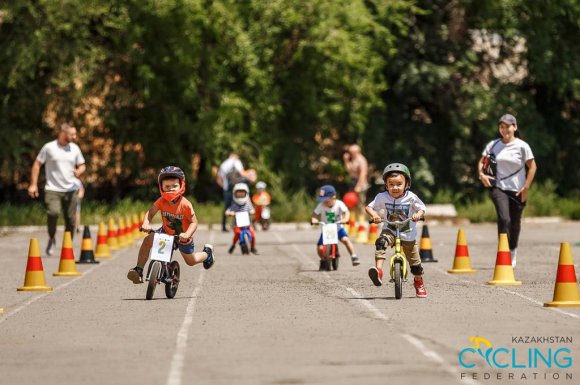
514,253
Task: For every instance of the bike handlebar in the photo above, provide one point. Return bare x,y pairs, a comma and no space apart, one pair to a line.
397,223
324,223
141,229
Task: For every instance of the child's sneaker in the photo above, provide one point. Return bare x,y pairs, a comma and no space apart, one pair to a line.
135,275
376,275
231,249
514,253
255,251
207,248
354,259
50,246
321,267
420,290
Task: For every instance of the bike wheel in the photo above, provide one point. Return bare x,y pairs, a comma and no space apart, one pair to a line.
155,267
335,263
398,278
327,257
171,288
245,244
265,224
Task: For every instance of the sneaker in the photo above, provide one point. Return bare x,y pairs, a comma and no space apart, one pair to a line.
376,275
135,275
514,253
231,249
420,290
355,261
209,261
50,246
255,251
321,267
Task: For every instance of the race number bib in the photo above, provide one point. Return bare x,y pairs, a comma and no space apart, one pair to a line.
162,247
242,219
266,213
329,234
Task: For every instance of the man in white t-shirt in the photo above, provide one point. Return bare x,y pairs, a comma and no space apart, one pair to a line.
64,163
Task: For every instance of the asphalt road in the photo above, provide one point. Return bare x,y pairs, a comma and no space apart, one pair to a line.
275,319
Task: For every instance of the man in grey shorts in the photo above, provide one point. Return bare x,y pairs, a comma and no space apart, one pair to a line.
64,163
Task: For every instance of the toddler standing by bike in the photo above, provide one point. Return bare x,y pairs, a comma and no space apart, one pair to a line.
241,197
178,218
398,203
333,210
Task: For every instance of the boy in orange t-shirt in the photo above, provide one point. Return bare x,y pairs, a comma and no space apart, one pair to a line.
178,218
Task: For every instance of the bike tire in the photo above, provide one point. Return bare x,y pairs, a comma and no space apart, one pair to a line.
155,267
265,224
245,244
171,288
398,278
335,263
327,257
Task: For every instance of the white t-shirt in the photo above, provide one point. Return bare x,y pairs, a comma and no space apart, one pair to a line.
332,214
399,209
228,166
510,159
60,163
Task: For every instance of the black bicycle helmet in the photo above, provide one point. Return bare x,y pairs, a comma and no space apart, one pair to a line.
171,172
399,168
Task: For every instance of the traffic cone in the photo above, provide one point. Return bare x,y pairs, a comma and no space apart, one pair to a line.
141,217
352,226
87,255
363,235
34,277
112,240
1,310
121,237
67,266
503,275
102,250
425,249
136,225
373,233
129,230
461,262
566,290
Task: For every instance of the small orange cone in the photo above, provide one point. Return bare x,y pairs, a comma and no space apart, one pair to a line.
425,249
352,228
1,310
141,217
34,277
363,234
461,263
566,290
373,234
87,255
102,250
67,266
503,275
121,237
136,225
112,240
129,230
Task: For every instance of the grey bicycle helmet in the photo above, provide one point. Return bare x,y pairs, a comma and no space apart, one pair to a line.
399,168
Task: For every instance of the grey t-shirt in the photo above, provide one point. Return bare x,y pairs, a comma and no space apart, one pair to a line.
60,163
511,158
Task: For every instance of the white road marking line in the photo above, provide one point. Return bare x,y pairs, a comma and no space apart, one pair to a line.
557,310
176,367
379,314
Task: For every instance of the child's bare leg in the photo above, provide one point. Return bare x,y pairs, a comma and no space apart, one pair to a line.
144,251
346,241
195,258
320,250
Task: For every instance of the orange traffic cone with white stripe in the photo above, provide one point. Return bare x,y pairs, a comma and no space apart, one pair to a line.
461,263
363,234
34,277
67,266
112,240
373,233
87,255
425,248
503,274
102,250
566,290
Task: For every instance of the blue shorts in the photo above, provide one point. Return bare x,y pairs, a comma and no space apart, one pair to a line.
185,248
341,234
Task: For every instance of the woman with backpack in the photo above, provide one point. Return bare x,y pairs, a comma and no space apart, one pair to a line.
507,167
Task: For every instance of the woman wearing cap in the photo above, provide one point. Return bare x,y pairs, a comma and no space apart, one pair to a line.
514,171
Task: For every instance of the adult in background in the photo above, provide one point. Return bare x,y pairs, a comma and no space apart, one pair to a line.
357,167
508,187
64,163
231,172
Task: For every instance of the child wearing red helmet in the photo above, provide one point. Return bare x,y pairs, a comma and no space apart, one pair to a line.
178,217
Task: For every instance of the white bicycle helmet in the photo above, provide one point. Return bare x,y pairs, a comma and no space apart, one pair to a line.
241,187
261,185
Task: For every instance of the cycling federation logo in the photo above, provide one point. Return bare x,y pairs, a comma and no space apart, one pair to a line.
533,361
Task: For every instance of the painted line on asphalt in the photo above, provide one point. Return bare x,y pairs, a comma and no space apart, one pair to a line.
557,310
176,367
